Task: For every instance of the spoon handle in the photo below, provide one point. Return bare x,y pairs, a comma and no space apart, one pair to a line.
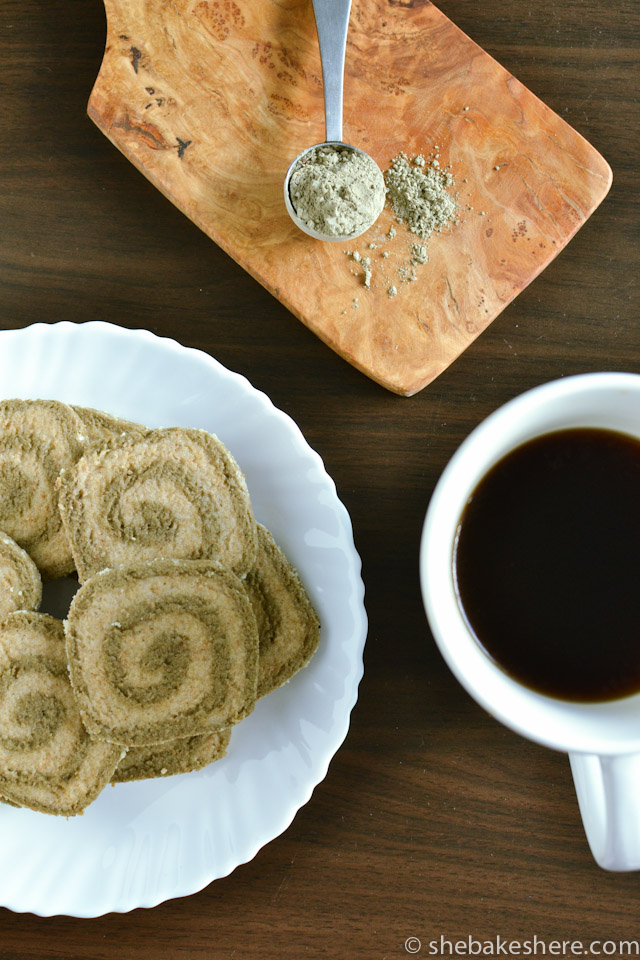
332,23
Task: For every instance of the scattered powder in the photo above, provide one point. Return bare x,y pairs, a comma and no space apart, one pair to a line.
419,194
365,263
419,253
407,272
368,273
419,197
337,191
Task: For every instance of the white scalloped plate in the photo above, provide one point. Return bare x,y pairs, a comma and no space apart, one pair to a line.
142,843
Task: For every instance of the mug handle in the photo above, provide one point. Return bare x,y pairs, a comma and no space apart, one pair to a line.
608,791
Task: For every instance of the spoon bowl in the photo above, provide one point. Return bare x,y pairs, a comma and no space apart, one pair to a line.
291,210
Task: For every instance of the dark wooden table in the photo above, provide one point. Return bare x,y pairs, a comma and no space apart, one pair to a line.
433,819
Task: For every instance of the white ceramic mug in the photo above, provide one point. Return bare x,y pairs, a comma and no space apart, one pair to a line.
602,739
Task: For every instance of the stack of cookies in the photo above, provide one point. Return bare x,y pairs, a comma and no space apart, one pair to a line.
187,610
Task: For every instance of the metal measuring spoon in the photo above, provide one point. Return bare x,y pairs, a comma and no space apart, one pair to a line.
332,24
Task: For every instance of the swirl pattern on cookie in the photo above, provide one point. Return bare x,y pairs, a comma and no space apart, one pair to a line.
103,426
162,650
20,581
172,493
47,760
38,438
288,627
175,756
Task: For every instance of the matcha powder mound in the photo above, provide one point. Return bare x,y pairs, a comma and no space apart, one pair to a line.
337,192
418,195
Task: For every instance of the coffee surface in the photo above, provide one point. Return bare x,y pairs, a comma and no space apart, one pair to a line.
547,564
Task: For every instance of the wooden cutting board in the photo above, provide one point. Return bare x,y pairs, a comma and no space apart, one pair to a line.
212,99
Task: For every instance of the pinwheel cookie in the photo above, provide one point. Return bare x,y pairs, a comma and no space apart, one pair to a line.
173,493
48,762
38,438
175,756
288,627
20,583
162,650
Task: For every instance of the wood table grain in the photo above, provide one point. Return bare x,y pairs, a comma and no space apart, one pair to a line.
433,821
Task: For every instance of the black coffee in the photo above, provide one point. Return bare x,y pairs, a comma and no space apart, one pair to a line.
547,564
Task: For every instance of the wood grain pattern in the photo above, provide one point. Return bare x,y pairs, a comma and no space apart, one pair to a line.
211,100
